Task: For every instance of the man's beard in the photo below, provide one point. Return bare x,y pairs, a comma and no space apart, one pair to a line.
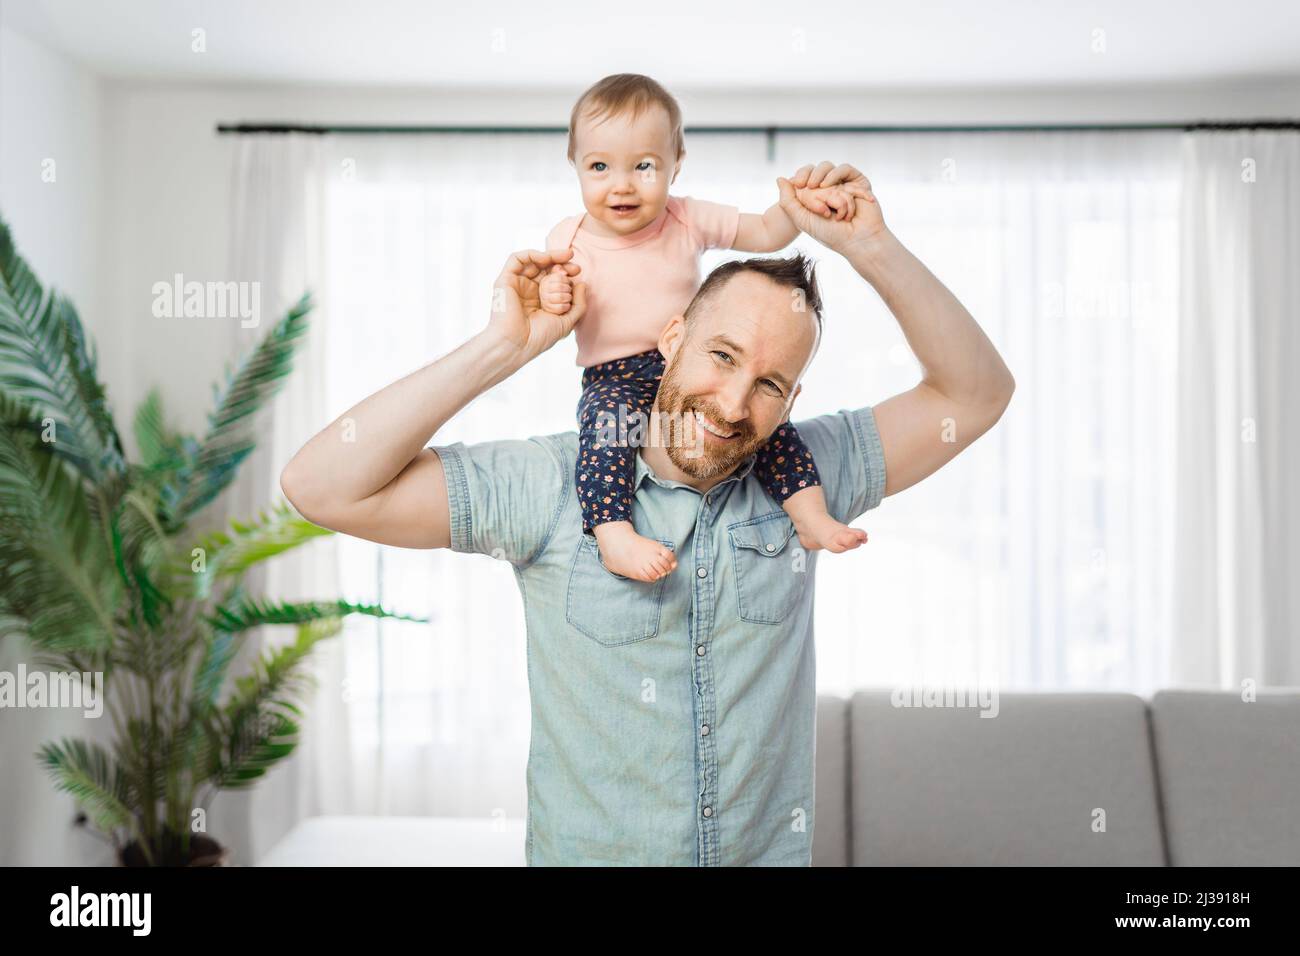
684,440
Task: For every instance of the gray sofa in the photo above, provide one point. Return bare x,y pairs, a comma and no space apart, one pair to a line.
1189,778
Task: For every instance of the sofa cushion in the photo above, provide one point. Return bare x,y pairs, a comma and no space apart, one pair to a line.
831,787
945,786
1229,777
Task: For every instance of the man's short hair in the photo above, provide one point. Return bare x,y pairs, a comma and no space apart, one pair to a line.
797,273
629,93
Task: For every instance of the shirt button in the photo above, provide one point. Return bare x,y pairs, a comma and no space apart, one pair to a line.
708,499
701,572
708,811
699,650
770,547
704,731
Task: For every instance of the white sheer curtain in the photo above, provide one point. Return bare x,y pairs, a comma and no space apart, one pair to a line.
277,240
1238,520
1042,557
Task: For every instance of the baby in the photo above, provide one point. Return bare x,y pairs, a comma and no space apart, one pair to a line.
638,251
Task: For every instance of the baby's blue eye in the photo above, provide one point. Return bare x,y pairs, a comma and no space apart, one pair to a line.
598,166
645,162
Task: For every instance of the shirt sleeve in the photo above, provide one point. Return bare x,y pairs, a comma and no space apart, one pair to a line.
555,239
846,448
504,498
714,225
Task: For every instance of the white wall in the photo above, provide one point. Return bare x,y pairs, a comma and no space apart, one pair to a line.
51,109
143,192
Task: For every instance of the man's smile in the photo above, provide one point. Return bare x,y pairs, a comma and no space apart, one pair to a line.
716,430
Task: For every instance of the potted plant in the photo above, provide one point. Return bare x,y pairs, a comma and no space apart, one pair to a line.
102,572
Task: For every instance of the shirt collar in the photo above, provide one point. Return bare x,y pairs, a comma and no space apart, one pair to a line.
643,470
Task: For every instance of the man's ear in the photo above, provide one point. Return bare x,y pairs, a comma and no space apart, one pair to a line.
671,338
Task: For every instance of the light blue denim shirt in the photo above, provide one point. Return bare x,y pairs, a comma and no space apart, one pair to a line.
673,722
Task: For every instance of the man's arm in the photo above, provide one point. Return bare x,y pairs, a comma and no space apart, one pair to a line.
369,473
965,385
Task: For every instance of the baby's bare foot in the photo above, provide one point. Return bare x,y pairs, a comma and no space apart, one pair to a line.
823,531
632,555
817,529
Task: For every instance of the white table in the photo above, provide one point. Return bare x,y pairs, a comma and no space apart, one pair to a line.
400,841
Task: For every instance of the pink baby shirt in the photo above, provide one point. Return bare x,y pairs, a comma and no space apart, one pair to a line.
637,282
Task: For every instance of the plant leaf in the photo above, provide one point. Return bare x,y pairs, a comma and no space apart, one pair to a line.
248,613
259,721
44,360
55,565
231,554
87,772
231,436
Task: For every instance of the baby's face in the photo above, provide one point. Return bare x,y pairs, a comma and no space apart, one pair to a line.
625,167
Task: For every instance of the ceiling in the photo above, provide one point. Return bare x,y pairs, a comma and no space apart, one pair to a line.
758,44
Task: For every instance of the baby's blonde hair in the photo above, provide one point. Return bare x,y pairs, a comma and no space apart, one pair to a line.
627,92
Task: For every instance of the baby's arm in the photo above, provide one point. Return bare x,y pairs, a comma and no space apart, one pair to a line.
773,231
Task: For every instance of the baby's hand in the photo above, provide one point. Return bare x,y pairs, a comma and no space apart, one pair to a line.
830,202
556,289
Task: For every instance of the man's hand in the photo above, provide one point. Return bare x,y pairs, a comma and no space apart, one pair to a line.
867,226
518,316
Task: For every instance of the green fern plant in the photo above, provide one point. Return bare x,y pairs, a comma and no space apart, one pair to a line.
101,573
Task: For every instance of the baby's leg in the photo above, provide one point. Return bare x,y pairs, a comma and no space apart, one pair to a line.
786,469
605,472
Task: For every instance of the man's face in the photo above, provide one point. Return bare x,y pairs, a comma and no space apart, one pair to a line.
736,373
625,167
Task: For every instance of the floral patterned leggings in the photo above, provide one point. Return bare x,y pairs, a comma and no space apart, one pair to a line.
606,470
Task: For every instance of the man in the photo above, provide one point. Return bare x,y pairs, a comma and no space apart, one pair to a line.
672,721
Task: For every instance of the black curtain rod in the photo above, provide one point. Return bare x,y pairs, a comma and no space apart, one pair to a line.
238,128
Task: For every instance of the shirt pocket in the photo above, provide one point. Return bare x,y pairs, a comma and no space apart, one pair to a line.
609,608
767,584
